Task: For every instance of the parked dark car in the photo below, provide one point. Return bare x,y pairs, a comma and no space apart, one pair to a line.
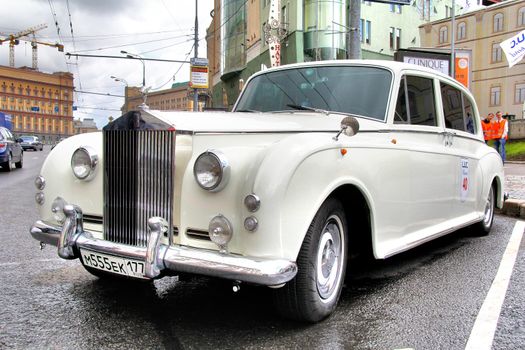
10,150
32,142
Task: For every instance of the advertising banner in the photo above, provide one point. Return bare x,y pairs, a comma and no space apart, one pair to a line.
514,48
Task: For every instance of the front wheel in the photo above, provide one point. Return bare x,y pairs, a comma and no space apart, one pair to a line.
483,227
314,292
7,165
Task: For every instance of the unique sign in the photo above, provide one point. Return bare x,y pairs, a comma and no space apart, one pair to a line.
433,63
514,48
395,2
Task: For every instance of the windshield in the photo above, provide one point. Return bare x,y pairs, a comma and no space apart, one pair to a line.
27,138
357,90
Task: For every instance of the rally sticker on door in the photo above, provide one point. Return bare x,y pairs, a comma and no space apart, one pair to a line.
464,183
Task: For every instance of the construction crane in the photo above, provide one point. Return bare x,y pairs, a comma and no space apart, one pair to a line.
14,39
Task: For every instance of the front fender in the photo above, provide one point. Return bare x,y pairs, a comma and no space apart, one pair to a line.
294,179
61,182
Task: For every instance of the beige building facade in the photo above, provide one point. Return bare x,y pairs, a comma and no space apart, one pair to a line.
495,86
39,103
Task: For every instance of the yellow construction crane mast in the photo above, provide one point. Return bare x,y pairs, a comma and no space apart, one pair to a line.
14,39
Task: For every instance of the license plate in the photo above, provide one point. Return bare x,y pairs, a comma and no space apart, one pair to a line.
113,264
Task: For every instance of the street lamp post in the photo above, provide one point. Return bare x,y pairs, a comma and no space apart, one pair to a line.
124,108
135,56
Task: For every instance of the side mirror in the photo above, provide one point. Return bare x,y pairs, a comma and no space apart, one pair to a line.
19,140
349,127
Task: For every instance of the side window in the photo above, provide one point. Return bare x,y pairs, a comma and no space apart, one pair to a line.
416,102
468,114
457,109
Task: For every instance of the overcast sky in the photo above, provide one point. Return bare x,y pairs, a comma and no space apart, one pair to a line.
153,28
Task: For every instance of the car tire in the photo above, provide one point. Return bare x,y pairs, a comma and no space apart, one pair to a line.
20,163
314,292
7,165
483,227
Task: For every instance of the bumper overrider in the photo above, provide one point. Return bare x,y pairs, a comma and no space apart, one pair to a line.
158,257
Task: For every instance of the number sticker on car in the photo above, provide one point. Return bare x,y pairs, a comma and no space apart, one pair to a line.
113,264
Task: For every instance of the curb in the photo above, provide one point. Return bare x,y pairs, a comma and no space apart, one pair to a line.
514,207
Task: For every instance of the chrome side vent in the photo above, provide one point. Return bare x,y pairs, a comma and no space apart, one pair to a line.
92,219
138,183
198,234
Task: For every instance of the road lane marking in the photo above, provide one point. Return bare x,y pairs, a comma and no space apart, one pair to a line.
482,334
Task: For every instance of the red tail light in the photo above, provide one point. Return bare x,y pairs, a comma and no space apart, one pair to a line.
3,145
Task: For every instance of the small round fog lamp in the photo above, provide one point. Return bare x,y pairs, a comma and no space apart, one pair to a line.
220,230
40,198
251,223
57,207
40,182
252,202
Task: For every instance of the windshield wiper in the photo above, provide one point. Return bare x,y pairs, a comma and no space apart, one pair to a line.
306,108
248,110
319,110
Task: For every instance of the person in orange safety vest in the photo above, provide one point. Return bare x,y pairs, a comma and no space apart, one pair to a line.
501,130
487,127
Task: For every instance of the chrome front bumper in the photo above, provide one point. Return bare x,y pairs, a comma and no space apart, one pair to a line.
159,257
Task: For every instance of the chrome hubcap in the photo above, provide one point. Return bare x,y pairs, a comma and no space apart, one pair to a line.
329,258
489,208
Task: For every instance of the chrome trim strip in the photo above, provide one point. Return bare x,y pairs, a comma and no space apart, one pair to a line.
268,272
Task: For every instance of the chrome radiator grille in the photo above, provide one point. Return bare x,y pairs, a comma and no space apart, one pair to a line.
138,183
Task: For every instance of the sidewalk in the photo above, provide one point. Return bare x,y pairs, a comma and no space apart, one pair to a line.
515,180
515,187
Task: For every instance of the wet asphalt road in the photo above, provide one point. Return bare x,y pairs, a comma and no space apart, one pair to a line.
427,298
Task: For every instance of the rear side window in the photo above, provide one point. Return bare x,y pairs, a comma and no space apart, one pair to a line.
457,109
416,102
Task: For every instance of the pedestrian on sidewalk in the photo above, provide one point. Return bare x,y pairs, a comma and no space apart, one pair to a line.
486,126
501,132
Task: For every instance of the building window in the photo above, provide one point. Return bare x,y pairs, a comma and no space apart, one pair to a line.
368,34
443,35
498,22
495,95
462,31
521,17
361,29
425,10
520,93
496,53
395,8
395,38
448,11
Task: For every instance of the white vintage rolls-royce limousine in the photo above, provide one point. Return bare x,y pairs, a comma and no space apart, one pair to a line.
317,162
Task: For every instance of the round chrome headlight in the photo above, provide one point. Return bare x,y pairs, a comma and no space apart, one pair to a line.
57,207
212,171
84,162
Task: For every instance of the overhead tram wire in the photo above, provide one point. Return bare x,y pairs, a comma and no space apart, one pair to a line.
134,43
74,45
177,71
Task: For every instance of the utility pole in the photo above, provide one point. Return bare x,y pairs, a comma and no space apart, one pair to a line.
196,44
452,41
353,41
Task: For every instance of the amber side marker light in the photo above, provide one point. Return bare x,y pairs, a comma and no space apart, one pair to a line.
344,151
394,141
